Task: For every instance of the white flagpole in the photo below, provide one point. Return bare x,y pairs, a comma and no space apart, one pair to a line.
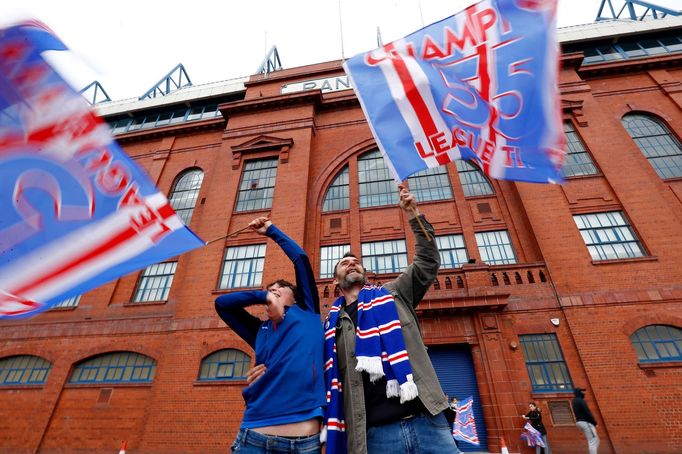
343,54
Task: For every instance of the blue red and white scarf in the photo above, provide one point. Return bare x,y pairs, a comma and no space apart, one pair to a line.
380,351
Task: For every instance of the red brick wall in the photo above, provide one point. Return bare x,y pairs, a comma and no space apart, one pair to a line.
598,305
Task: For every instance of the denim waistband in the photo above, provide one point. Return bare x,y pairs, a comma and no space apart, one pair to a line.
248,436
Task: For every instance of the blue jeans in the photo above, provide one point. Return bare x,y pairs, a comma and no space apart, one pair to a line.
250,442
421,434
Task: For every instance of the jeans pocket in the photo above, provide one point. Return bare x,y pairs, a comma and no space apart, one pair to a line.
438,420
235,446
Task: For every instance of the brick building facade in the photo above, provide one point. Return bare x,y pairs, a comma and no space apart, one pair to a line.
543,288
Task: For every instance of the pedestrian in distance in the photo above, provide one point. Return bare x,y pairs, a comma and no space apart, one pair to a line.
285,396
585,420
534,416
375,405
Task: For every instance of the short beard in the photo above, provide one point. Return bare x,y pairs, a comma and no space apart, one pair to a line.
353,280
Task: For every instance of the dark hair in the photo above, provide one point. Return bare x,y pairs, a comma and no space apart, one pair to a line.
283,283
347,254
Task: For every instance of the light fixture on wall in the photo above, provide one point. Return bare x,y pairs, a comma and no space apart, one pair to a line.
555,321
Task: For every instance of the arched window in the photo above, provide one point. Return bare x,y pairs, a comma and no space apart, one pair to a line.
119,367
376,186
337,196
656,343
23,370
431,184
184,194
656,142
227,364
473,181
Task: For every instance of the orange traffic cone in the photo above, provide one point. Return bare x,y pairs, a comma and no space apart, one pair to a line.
124,446
503,446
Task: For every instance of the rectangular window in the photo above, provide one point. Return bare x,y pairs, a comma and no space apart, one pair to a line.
608,236
495,248
243,266
578,160
329,256
155,282
69,302
453,252
545,363
384,256
257,185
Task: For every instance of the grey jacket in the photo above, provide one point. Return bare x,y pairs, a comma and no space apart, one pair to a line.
408,290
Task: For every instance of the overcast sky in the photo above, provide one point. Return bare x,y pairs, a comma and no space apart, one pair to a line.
130,45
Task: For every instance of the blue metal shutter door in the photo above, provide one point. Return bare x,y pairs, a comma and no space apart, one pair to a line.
455,369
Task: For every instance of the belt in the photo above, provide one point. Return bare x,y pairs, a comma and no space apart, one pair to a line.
413,415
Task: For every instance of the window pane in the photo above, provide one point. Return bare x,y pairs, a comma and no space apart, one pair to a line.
329,256
453,253
183,196
495,248
376,186
121,367
257,185
545,363
656,143
608,236
243,266
228,364
155,282
384,256
657,343
337,197
69,302
430,184
578,160
23,370
472,179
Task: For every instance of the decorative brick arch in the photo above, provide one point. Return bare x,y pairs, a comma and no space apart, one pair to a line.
121,346
636,108
23,351
635,323
322,182
208,349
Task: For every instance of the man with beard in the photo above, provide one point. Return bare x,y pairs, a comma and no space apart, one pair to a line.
382,391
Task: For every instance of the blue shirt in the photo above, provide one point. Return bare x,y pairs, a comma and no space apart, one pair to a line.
292,388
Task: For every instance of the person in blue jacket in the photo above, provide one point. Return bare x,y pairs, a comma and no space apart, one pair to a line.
285,405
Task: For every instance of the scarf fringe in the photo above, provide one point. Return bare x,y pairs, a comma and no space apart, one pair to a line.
372,365
392,388
408,391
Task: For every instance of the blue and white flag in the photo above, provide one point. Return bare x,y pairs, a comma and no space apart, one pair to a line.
480,85
464,427
75,211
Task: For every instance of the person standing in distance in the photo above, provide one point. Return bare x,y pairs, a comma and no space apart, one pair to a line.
382,391
585,421
284,408
534,416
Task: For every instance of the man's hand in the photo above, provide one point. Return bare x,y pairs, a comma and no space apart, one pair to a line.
407,201
255,373
260,225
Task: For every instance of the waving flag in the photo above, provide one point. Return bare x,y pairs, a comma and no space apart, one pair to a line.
464,427
532,436
480,85
75,211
